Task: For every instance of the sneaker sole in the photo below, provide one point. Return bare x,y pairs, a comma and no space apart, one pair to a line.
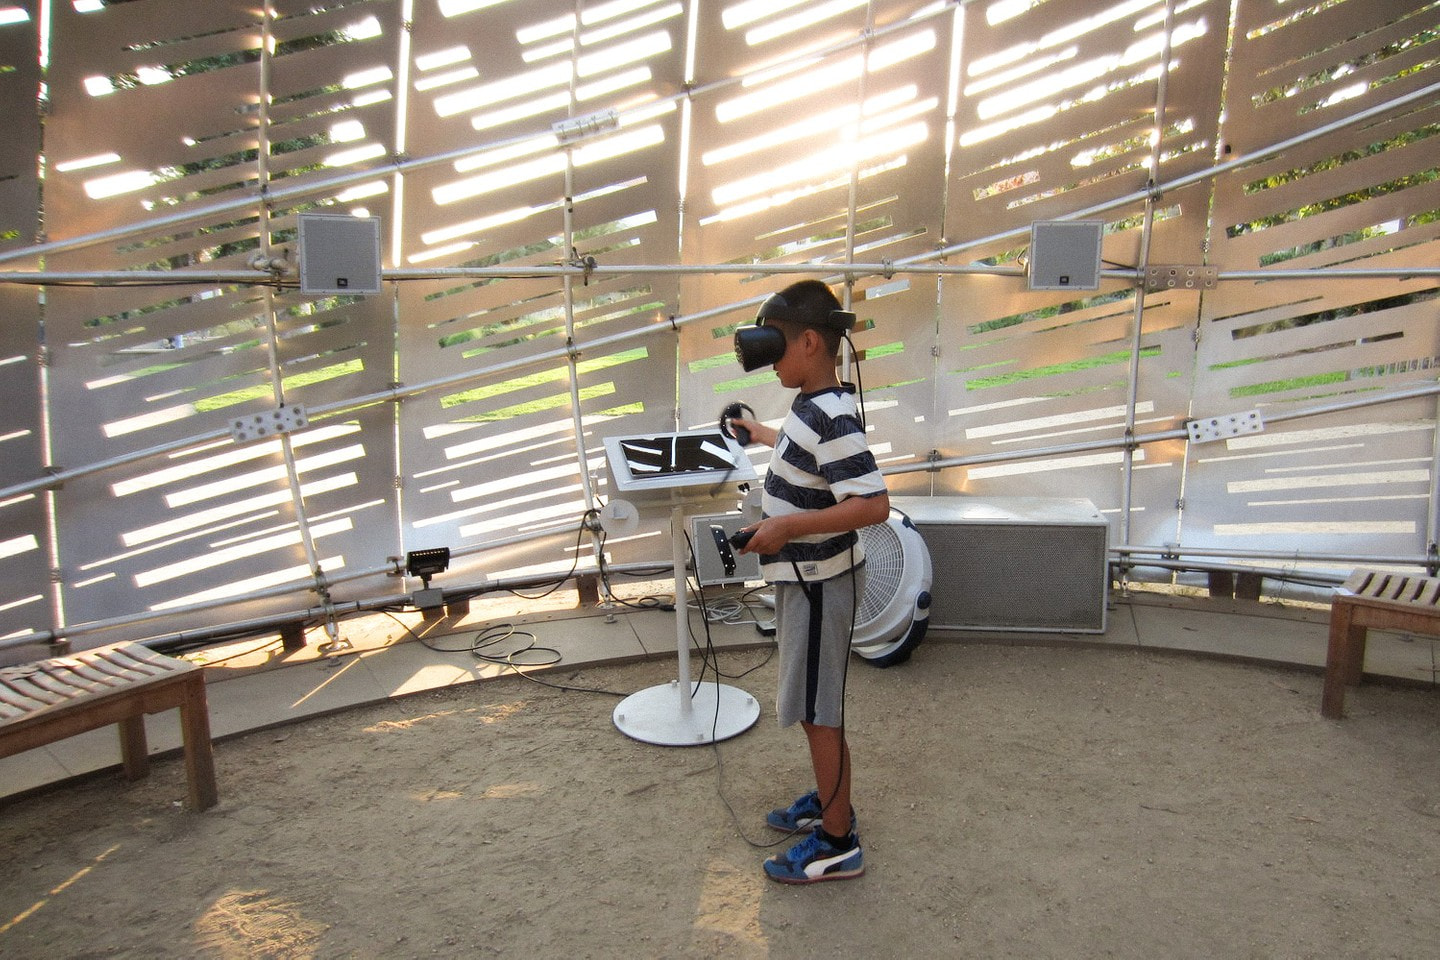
804,881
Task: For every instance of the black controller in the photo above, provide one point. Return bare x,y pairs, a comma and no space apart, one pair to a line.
727,558
739,538
739,434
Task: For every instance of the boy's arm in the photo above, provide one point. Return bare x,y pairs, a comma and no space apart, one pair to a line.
852,513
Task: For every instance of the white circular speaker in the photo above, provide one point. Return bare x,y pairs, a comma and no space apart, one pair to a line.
619,518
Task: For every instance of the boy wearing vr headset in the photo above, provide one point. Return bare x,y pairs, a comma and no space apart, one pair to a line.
822,486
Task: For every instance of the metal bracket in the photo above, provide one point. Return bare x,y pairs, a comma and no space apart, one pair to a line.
1180,276
1205,429
285,419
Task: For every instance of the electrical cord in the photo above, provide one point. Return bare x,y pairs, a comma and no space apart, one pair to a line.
859,383
482,642
735,611
574,565
642,603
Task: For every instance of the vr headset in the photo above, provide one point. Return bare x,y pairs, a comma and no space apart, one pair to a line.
761,345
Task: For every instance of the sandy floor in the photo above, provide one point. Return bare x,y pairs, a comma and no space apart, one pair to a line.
1014,802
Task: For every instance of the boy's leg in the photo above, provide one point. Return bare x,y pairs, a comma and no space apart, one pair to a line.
830,758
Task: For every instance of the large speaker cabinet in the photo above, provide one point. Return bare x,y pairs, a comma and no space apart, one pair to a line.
1014,563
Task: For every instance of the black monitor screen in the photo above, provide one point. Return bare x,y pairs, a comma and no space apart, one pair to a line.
670,455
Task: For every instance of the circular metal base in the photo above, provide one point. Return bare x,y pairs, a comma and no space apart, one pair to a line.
666,715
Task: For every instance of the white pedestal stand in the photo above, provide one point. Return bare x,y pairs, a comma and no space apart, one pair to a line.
682,713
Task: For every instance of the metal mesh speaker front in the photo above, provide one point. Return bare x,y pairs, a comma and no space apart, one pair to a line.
1017,576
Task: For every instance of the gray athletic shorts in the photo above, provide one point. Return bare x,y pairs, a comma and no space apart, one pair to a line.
814,651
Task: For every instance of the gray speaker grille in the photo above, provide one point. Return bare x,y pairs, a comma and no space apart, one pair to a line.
1017,576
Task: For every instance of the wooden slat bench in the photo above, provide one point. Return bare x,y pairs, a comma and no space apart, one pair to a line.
49,700
1372,598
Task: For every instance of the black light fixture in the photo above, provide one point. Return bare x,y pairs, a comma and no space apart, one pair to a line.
426,563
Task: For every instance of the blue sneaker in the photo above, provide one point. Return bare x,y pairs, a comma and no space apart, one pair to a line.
803,814
814,859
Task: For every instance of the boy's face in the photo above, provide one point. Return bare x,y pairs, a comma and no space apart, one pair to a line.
794,368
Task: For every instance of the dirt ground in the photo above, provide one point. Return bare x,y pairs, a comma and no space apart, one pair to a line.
1014,801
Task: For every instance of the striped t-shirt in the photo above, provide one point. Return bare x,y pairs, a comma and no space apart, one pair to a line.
821,458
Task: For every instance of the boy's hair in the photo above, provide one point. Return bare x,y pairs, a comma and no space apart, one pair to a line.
812,299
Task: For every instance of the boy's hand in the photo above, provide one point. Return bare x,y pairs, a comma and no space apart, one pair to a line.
759,433
767,536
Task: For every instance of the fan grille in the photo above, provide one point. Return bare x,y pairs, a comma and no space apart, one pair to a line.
884,570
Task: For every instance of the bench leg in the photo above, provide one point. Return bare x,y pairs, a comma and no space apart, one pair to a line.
134,751
199,752
1344,659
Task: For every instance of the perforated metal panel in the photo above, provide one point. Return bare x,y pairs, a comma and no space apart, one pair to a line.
1367,195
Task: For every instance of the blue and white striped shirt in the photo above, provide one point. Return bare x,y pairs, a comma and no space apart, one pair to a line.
821,458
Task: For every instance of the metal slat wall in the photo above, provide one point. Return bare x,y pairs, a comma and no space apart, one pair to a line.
1356,481
24,546
813,164
717,144
498,459
174,96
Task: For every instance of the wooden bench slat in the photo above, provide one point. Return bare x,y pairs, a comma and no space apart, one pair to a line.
119,671
64,683
25,688
16,701
13,696
90,673
135,657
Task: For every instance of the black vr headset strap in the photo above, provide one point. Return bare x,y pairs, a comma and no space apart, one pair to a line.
776,307
761,345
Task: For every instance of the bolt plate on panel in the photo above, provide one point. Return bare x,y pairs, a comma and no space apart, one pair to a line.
1180,276
282,420
1206,429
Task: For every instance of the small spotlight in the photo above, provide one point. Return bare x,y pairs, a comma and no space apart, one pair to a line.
426,563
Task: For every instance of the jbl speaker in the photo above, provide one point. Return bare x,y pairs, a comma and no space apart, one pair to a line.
1064,255
339,254
1014,563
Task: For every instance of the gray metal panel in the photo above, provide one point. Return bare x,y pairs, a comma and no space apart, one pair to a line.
25,600
19,82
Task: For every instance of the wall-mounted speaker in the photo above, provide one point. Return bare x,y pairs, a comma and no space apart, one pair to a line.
1014,563
1064,255
339,254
